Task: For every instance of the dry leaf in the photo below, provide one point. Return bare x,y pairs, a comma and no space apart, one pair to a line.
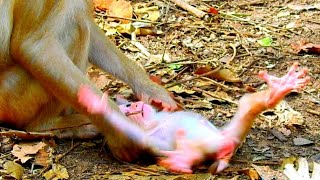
303,170
285,161
223,74
253,174
147,31
267,173
179,90
102,4
151,13
57,172
301,7
13,169
302,142
121,8
303,46
42,158
125,28
22,150
287,115
158,58
200,104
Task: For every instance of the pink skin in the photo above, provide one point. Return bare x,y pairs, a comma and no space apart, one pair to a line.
182,159
188,153
284,85
165,106
192,138
175,160
141,113
94,104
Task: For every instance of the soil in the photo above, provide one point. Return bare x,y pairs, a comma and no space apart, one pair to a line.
192,43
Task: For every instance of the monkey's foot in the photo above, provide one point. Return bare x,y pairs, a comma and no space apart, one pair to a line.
280,87
223,156
183,157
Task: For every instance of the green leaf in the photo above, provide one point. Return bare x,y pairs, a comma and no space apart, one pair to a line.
266,42
175,66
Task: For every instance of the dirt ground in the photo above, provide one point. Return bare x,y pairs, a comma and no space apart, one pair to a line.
229,39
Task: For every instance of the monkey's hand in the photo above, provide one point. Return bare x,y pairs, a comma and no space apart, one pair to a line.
152,93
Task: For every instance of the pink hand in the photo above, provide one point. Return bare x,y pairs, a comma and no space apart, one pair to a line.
157,103
280,87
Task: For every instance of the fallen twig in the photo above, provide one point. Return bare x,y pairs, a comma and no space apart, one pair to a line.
313,112
223,86
193,78
45,169
213,95
189,8
129,19
234,52
27,135
178,74
258,162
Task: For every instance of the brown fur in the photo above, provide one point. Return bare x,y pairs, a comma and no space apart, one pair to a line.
45,49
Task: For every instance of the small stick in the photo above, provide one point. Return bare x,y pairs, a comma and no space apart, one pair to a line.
27,135
313,112
215,96
258,162
45,169
189,8
233,54
222,85
124,18
178,74
252,3
196,77
67,152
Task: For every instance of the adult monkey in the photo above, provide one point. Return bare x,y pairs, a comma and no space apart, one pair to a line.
45,48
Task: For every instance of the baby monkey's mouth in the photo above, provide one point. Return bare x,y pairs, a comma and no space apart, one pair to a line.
136,112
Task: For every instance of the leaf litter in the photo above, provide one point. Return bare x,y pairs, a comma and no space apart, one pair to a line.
172,43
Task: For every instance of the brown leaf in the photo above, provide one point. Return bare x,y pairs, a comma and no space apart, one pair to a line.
179,90
267,173
253,174
121,8
202,70
303,46
226,75
22,150
42,158
102,4
151,13
223,74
